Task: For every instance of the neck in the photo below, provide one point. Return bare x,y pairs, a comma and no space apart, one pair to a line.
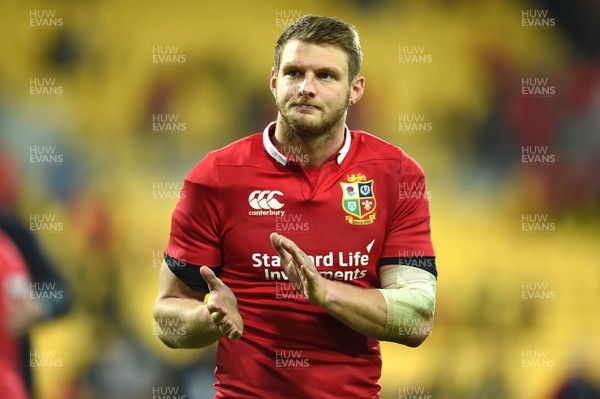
312,150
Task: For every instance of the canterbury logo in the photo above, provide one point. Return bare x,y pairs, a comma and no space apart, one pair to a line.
265,199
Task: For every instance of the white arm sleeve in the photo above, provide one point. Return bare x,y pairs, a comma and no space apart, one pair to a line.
408,291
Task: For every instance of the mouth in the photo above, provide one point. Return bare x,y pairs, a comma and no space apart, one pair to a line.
305,107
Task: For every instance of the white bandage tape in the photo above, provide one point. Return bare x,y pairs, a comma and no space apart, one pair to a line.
408,291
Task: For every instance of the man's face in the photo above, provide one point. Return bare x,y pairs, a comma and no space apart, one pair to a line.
311,88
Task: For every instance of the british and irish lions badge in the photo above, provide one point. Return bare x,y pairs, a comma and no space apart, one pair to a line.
358,200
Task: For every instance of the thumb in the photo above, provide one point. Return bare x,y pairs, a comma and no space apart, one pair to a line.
214,283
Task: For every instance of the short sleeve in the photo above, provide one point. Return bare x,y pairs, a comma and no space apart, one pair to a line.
408,240
195,229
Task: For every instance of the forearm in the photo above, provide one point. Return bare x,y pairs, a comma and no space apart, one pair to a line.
185,323
401,311
365,311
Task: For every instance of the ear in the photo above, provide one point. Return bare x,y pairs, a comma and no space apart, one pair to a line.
273,82
356,89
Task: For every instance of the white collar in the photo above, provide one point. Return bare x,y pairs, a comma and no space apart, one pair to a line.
282,159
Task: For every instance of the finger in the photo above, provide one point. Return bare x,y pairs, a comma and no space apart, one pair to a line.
217,317
276,243
225,326
309,276
300,259
287,244
223,323
290,247
297,254
291,270
232,332
212,308
214,283
274,237
235,335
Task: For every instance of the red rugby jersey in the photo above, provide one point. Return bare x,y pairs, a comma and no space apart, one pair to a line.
366,205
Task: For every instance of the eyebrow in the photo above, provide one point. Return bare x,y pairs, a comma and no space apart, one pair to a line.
328,69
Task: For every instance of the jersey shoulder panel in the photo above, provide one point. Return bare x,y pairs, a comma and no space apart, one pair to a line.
243,152
371,147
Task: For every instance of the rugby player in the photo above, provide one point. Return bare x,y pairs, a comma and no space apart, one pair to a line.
312,240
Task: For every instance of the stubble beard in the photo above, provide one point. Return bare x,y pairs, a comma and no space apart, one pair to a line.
323,127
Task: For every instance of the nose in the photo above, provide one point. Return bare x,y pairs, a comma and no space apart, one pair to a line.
306,87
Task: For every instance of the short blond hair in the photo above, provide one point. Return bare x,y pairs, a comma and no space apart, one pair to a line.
324,30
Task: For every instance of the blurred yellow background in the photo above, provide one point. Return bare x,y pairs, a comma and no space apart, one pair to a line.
516,308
